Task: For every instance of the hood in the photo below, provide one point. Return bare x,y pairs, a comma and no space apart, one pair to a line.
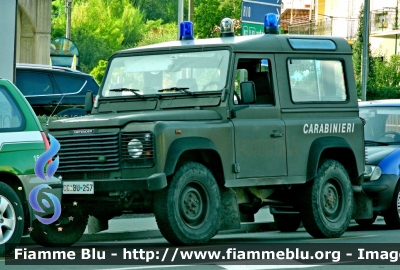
375,154
121,119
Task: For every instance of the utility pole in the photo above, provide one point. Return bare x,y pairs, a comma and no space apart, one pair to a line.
68,6
365,56
190,10
180,16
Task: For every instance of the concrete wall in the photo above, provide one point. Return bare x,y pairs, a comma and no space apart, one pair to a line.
33,31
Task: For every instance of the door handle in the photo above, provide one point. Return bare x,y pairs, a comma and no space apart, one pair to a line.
275,134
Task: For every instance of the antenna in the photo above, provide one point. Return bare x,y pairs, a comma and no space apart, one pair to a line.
48,120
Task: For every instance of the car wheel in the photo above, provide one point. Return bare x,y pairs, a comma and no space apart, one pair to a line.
366,222
327,201
287,223
11,219
392,215
66,231
188,210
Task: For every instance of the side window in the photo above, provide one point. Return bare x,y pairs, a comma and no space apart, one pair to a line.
69,85
34,84
11,118
259,72
393,123
316,80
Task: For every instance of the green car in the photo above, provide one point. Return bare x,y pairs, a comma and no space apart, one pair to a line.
22,142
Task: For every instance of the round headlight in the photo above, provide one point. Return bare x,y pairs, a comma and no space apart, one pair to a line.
135,148
372,172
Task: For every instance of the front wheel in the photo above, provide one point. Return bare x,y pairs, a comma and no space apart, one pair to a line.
64,232
11,219
188,210
392,215
327,201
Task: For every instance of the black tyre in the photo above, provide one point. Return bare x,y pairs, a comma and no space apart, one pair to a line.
11,219
392,215
287,223
72,223
188,210
366,222
327,201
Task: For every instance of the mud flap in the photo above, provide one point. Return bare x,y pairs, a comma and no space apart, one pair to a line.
230,216
96,225
362,206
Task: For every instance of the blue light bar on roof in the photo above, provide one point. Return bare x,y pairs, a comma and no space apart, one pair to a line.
312,44
186,30
271,25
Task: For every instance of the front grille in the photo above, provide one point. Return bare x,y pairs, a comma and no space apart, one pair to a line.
89,152
98,175
142,145
73,176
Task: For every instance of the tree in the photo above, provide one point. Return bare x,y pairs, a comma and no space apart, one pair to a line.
154,10
157,32
357,56
209,13
99,28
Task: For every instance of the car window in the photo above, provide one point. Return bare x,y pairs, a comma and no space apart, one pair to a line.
258,71
34,84
382,123
11,118
314,80
68,84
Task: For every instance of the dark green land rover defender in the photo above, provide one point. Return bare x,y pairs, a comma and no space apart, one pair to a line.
203,133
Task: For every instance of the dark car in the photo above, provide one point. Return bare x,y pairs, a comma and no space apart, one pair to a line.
382,147
54,90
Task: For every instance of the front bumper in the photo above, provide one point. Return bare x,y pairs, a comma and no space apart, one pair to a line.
152,183
381,191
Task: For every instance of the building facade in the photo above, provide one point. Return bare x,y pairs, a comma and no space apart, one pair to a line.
33,31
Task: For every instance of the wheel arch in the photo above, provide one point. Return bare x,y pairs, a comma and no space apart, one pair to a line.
14,182
198,149
336,148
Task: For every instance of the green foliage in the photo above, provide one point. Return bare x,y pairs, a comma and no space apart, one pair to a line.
99,28
99,70
357,56
154,10
157,32
209,13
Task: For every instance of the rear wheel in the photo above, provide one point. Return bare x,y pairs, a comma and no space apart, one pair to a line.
11,219
287,223
327,201
392,215
188,210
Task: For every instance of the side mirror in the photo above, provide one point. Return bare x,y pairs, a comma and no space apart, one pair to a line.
248,92
88,102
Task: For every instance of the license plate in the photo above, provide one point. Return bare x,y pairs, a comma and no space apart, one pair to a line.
78,187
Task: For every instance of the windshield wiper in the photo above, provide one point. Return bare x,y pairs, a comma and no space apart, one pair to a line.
183,89
127,90
375,142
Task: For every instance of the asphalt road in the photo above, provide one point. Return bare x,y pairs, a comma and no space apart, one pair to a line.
374,235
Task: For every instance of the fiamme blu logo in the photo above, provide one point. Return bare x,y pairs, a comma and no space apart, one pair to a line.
45,176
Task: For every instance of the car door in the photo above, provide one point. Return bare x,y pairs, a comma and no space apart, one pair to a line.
259,131
38,89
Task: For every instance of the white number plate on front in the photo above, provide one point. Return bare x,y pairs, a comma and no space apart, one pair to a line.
78,187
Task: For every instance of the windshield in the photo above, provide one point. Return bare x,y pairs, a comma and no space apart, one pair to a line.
158,74
382,124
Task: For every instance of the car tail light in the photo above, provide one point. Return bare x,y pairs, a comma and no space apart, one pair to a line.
46,143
